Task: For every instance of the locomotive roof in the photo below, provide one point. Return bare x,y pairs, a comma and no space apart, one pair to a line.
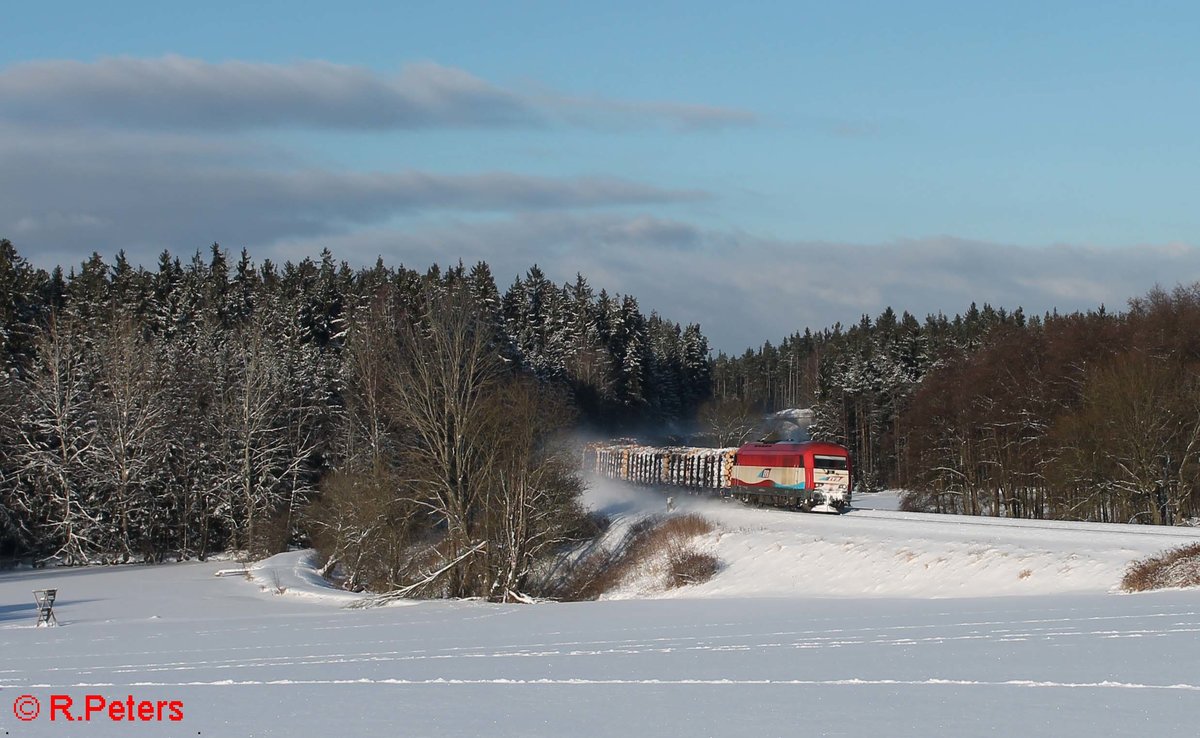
791,449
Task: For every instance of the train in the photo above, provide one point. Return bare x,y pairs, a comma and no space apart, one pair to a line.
810,475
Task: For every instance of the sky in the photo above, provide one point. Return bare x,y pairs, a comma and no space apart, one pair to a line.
757,168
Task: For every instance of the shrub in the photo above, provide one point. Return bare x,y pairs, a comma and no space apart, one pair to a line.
593,575
589,526
271,535
915,500
648,540
1176,567
691,567
684,526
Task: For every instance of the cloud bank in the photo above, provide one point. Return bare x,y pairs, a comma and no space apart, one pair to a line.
179,93
66,196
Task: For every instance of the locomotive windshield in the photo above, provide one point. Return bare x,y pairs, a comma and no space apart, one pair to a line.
830,462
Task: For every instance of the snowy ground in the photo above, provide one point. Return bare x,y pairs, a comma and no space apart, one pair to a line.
767,648
884,553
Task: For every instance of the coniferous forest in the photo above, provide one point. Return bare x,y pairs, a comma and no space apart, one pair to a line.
205,404
410,423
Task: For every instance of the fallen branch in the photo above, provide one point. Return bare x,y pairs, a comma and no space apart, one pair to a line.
404,592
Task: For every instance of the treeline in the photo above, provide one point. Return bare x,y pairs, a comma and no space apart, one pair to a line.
202,405
1092,416
858,380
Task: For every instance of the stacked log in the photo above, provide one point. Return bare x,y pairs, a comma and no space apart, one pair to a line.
679,466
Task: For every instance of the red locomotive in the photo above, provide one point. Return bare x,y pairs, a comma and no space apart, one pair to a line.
809,475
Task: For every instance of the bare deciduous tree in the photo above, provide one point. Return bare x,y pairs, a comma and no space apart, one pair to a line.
730,421
1134,438
129,457
55,442
459,466
533,483
262,430
446,371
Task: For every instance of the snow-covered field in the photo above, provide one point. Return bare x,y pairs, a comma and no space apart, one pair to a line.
869,624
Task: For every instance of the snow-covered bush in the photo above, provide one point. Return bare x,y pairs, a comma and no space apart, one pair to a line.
1177,567
688,566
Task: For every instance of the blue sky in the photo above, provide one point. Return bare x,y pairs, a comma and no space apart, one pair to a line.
754,168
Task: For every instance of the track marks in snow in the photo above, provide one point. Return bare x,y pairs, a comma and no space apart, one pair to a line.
909,636
854,682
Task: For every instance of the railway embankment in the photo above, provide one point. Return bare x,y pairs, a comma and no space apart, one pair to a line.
886,553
